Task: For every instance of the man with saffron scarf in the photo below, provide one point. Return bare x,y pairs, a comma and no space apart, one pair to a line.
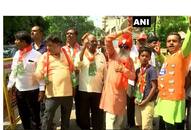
72,48
27,90
55,67
120,69
92,72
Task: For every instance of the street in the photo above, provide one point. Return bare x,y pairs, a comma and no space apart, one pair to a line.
73,125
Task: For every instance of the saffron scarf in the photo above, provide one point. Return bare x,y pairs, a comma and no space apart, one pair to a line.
141,79
70,62
46,65
140,85
76,49
19,70
23,52
92,67
122,82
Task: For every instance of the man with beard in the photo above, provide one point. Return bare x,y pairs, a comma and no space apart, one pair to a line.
120,69
171,103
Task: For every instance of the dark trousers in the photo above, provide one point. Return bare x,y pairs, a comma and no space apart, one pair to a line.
130,112
188,118
51,104
76,99
166,126
28,105
42,109
89,102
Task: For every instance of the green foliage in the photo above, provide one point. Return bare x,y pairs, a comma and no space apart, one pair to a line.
50,24
166,24
161,25
99,33
60,24
170,24
13,24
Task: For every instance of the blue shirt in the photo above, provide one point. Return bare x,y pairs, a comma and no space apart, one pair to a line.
42,47
150,75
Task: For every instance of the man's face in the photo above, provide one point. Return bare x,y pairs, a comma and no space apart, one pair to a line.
20,44
53,48
153,44
141,42
92,43
144,58
71,36
173,44
36,33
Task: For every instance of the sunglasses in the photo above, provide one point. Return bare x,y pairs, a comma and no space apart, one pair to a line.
124,46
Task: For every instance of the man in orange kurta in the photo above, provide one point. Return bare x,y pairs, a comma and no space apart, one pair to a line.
120,69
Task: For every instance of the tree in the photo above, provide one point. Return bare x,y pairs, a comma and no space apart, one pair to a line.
170,24
59,24
13,24
166,24
99,33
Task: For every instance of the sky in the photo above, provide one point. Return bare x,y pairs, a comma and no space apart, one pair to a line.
97,20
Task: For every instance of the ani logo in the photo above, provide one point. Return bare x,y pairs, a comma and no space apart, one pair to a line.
141,21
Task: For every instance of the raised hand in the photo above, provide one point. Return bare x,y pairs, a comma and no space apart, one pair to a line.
130,20
128,29
157,48
84,39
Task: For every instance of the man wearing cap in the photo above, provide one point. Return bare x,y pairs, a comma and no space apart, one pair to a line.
141,39
120,69
134,53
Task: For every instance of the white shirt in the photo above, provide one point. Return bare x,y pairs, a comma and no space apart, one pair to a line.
91,83
26,81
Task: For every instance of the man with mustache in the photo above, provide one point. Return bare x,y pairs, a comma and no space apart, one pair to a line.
72,48
171,103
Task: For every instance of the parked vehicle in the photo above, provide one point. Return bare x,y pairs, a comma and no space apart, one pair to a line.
9,51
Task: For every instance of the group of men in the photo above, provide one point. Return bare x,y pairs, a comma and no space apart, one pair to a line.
47,74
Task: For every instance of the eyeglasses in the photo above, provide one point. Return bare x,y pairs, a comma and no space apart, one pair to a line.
124,46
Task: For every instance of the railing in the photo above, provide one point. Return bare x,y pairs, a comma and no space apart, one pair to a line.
9,99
